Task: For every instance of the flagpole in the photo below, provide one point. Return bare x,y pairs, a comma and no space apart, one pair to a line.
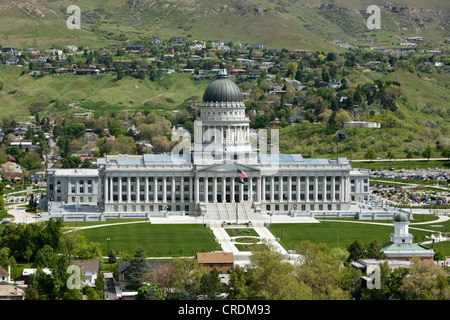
236,212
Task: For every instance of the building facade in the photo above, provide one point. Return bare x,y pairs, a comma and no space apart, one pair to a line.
228,167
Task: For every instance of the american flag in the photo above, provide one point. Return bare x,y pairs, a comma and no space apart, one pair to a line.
242,174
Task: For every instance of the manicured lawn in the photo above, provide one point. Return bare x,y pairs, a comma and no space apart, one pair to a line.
335,234
157,240
238,232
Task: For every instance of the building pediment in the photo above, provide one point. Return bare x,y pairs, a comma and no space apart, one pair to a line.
228,167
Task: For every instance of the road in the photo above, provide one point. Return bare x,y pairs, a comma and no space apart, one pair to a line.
387,160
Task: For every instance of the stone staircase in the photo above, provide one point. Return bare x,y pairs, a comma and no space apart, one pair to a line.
227,212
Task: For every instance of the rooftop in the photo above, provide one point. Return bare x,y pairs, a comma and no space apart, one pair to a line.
215,257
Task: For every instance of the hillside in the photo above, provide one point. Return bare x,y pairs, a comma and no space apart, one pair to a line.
292,24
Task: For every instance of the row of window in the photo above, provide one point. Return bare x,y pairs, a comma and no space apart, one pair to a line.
276,207
267,197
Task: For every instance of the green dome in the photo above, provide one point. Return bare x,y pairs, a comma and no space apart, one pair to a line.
222,89
400,217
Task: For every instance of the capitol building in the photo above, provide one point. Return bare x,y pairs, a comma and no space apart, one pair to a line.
226,171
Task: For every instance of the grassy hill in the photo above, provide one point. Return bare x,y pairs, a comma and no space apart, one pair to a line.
94,93
284,23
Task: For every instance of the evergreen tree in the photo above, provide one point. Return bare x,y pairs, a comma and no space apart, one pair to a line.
138,266
356,251
210,285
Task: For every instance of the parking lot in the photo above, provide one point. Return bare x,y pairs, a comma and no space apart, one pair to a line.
418,187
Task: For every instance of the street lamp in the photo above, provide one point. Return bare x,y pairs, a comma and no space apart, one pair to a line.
293,244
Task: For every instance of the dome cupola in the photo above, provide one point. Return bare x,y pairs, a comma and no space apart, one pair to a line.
223,90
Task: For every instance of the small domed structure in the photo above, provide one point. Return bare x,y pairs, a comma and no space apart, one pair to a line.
400,217
223,89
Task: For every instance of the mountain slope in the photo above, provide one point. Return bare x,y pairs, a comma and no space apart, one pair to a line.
292,24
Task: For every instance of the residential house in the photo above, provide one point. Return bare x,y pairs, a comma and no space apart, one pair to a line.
36,177
86,72
223,262
27,272
11,171
5,276
274,123
12,62
334,84
135,47
90,270
54,52
155,40
255,46
72,48
11,292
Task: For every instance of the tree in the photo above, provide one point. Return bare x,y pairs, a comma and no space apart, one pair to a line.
186,277
319,270
341,117
138,266
161,276
149,292
53,286
271,278
112,258
390,155
426,281
210,285
370,154
446,152
236,284
374,251
6,259
428,152
31,161
356,251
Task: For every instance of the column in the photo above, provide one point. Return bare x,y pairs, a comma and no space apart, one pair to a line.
263,187
206,189
307,189
250,190
138,189
232,189
191,189
272,188
164,190
128,189
298,188
258,190
224,189
316,184
333,186
324,189
173,189
155,189
290,188
182,190
120,189
111,197
106,191
215,190
197,192
146,190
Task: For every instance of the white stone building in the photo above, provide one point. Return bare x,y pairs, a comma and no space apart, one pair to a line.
202,178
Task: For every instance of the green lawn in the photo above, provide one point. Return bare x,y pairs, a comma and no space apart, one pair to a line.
335,234
158,240
407,165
